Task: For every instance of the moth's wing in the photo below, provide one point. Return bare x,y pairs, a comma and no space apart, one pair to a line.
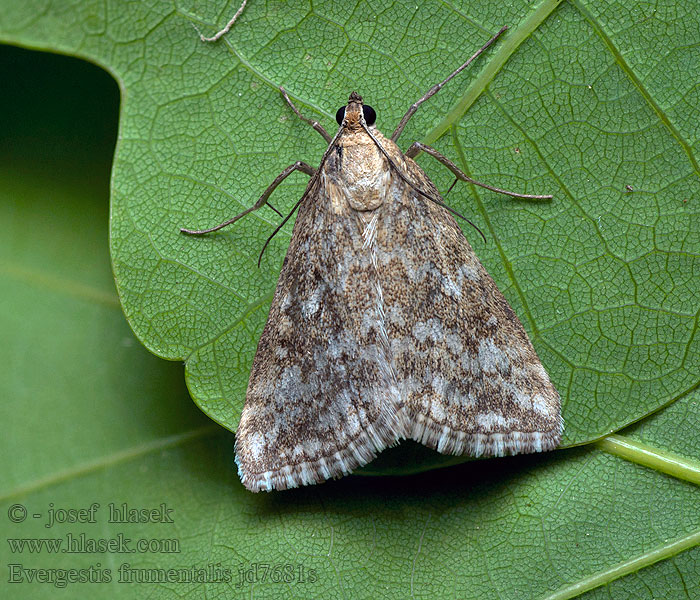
467,371
321,398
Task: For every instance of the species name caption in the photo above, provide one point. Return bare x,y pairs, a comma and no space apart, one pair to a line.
384,324
130,517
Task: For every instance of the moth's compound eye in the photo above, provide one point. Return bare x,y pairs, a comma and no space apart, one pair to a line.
369,114
340,115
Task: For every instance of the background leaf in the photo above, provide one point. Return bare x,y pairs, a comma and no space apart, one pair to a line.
604,279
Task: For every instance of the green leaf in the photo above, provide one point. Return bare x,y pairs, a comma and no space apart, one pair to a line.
576,101
601,276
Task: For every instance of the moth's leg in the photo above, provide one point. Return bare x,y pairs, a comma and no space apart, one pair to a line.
437,87
297,166
315,124
417,147
226,29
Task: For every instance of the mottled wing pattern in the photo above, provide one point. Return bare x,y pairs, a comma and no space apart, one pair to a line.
322,398
467,372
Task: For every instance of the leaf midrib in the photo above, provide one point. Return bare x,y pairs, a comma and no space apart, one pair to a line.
646,559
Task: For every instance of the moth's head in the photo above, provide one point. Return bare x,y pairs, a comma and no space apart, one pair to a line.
355,113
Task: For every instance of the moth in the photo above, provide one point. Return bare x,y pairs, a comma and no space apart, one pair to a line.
384,324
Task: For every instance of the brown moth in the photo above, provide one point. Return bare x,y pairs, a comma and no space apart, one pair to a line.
384,325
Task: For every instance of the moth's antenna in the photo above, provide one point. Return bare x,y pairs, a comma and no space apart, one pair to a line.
437,201
454,183
438,86
457,214
320,166
274,233
280,214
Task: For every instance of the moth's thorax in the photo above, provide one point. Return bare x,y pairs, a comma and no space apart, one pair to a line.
363,175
